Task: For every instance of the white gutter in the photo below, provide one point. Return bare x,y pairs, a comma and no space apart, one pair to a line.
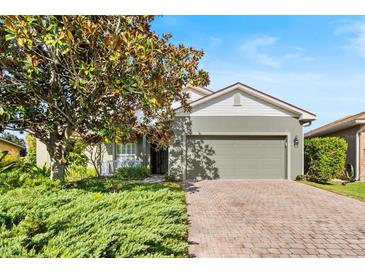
358,152
307,124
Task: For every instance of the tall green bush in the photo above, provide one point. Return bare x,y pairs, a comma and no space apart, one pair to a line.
324,158
31,148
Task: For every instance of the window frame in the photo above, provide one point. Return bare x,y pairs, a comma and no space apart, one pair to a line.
127,149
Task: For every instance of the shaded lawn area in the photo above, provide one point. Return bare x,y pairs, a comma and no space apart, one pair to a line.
94,218
354,190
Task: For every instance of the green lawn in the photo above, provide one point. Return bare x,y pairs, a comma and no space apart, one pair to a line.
94,218
354,190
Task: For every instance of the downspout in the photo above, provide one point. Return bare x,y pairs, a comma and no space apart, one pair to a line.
358,152
305,124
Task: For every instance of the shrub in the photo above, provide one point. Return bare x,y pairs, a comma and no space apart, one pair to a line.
31,148
8,159
350,173
75,153
132,172
300,178
77,172
168,177
25,177
23,173
141,220
8,162
324,158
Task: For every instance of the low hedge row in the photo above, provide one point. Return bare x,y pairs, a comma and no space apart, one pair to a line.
132,172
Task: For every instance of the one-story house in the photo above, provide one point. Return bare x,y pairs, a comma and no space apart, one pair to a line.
237,132
351,128
12,148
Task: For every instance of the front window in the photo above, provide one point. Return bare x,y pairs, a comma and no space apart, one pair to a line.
129,149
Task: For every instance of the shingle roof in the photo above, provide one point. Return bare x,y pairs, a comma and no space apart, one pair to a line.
343,123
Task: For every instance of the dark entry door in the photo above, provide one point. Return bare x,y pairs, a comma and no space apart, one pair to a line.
159,161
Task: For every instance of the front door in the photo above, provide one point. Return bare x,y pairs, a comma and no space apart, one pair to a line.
159,161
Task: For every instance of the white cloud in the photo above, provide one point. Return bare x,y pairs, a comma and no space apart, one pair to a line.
355,34
214,41
267,60
359,41
253,49
257,47
309,58
290,55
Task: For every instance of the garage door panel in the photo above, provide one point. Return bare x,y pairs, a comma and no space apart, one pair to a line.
238,157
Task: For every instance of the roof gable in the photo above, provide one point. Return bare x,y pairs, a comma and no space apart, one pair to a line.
265,104
238,103
195,93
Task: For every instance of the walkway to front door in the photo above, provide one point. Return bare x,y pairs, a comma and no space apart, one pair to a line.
272,219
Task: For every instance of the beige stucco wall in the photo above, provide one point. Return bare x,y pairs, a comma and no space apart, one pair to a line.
107,152
44,159
13,150
42,155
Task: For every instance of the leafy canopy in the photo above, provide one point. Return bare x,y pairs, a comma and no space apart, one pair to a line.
102,77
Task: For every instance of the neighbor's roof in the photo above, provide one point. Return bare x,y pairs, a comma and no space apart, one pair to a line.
303,114
340,124
11,143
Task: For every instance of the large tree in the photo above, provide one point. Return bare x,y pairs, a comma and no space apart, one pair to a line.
102,78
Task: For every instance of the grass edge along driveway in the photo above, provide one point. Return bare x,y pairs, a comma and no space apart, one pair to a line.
354,190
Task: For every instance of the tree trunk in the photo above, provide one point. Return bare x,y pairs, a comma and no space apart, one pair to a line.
94,156
56,150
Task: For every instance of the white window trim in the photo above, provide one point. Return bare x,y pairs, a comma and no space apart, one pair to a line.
126,155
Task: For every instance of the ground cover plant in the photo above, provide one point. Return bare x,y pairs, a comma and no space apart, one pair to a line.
94,218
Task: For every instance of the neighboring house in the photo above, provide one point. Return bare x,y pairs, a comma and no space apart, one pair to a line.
235,133
12,148
351,128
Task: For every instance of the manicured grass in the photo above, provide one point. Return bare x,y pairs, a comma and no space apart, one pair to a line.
354,190
94,218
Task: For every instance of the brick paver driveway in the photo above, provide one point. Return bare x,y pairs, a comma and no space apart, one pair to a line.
272,219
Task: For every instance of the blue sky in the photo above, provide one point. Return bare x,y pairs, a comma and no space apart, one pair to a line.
314,62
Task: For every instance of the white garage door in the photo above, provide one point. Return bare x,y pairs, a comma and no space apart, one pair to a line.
236,157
